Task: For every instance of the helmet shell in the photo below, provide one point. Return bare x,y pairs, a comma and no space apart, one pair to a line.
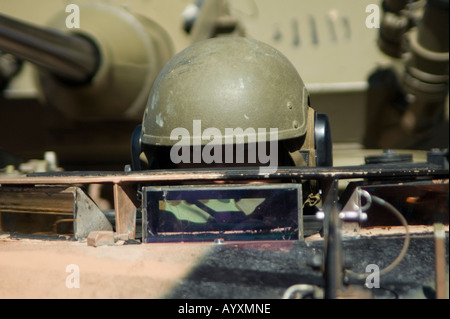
228,82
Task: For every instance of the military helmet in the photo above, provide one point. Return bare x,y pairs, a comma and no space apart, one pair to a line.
226,83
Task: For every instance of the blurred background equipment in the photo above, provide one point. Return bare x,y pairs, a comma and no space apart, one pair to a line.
88,71
407,104
100,71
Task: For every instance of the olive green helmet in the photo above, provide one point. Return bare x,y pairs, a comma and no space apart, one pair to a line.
226,83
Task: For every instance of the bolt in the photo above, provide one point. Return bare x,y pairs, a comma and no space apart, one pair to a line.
320,215
350,216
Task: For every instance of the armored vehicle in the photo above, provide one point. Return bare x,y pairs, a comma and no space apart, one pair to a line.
224,149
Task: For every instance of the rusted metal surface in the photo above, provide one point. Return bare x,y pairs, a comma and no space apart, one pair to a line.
125,203
47,200
47,209
31,209
298,173
422,203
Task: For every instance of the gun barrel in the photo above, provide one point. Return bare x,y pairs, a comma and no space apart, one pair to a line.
68,56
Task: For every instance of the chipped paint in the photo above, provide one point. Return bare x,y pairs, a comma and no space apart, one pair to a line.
155,100
159,120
